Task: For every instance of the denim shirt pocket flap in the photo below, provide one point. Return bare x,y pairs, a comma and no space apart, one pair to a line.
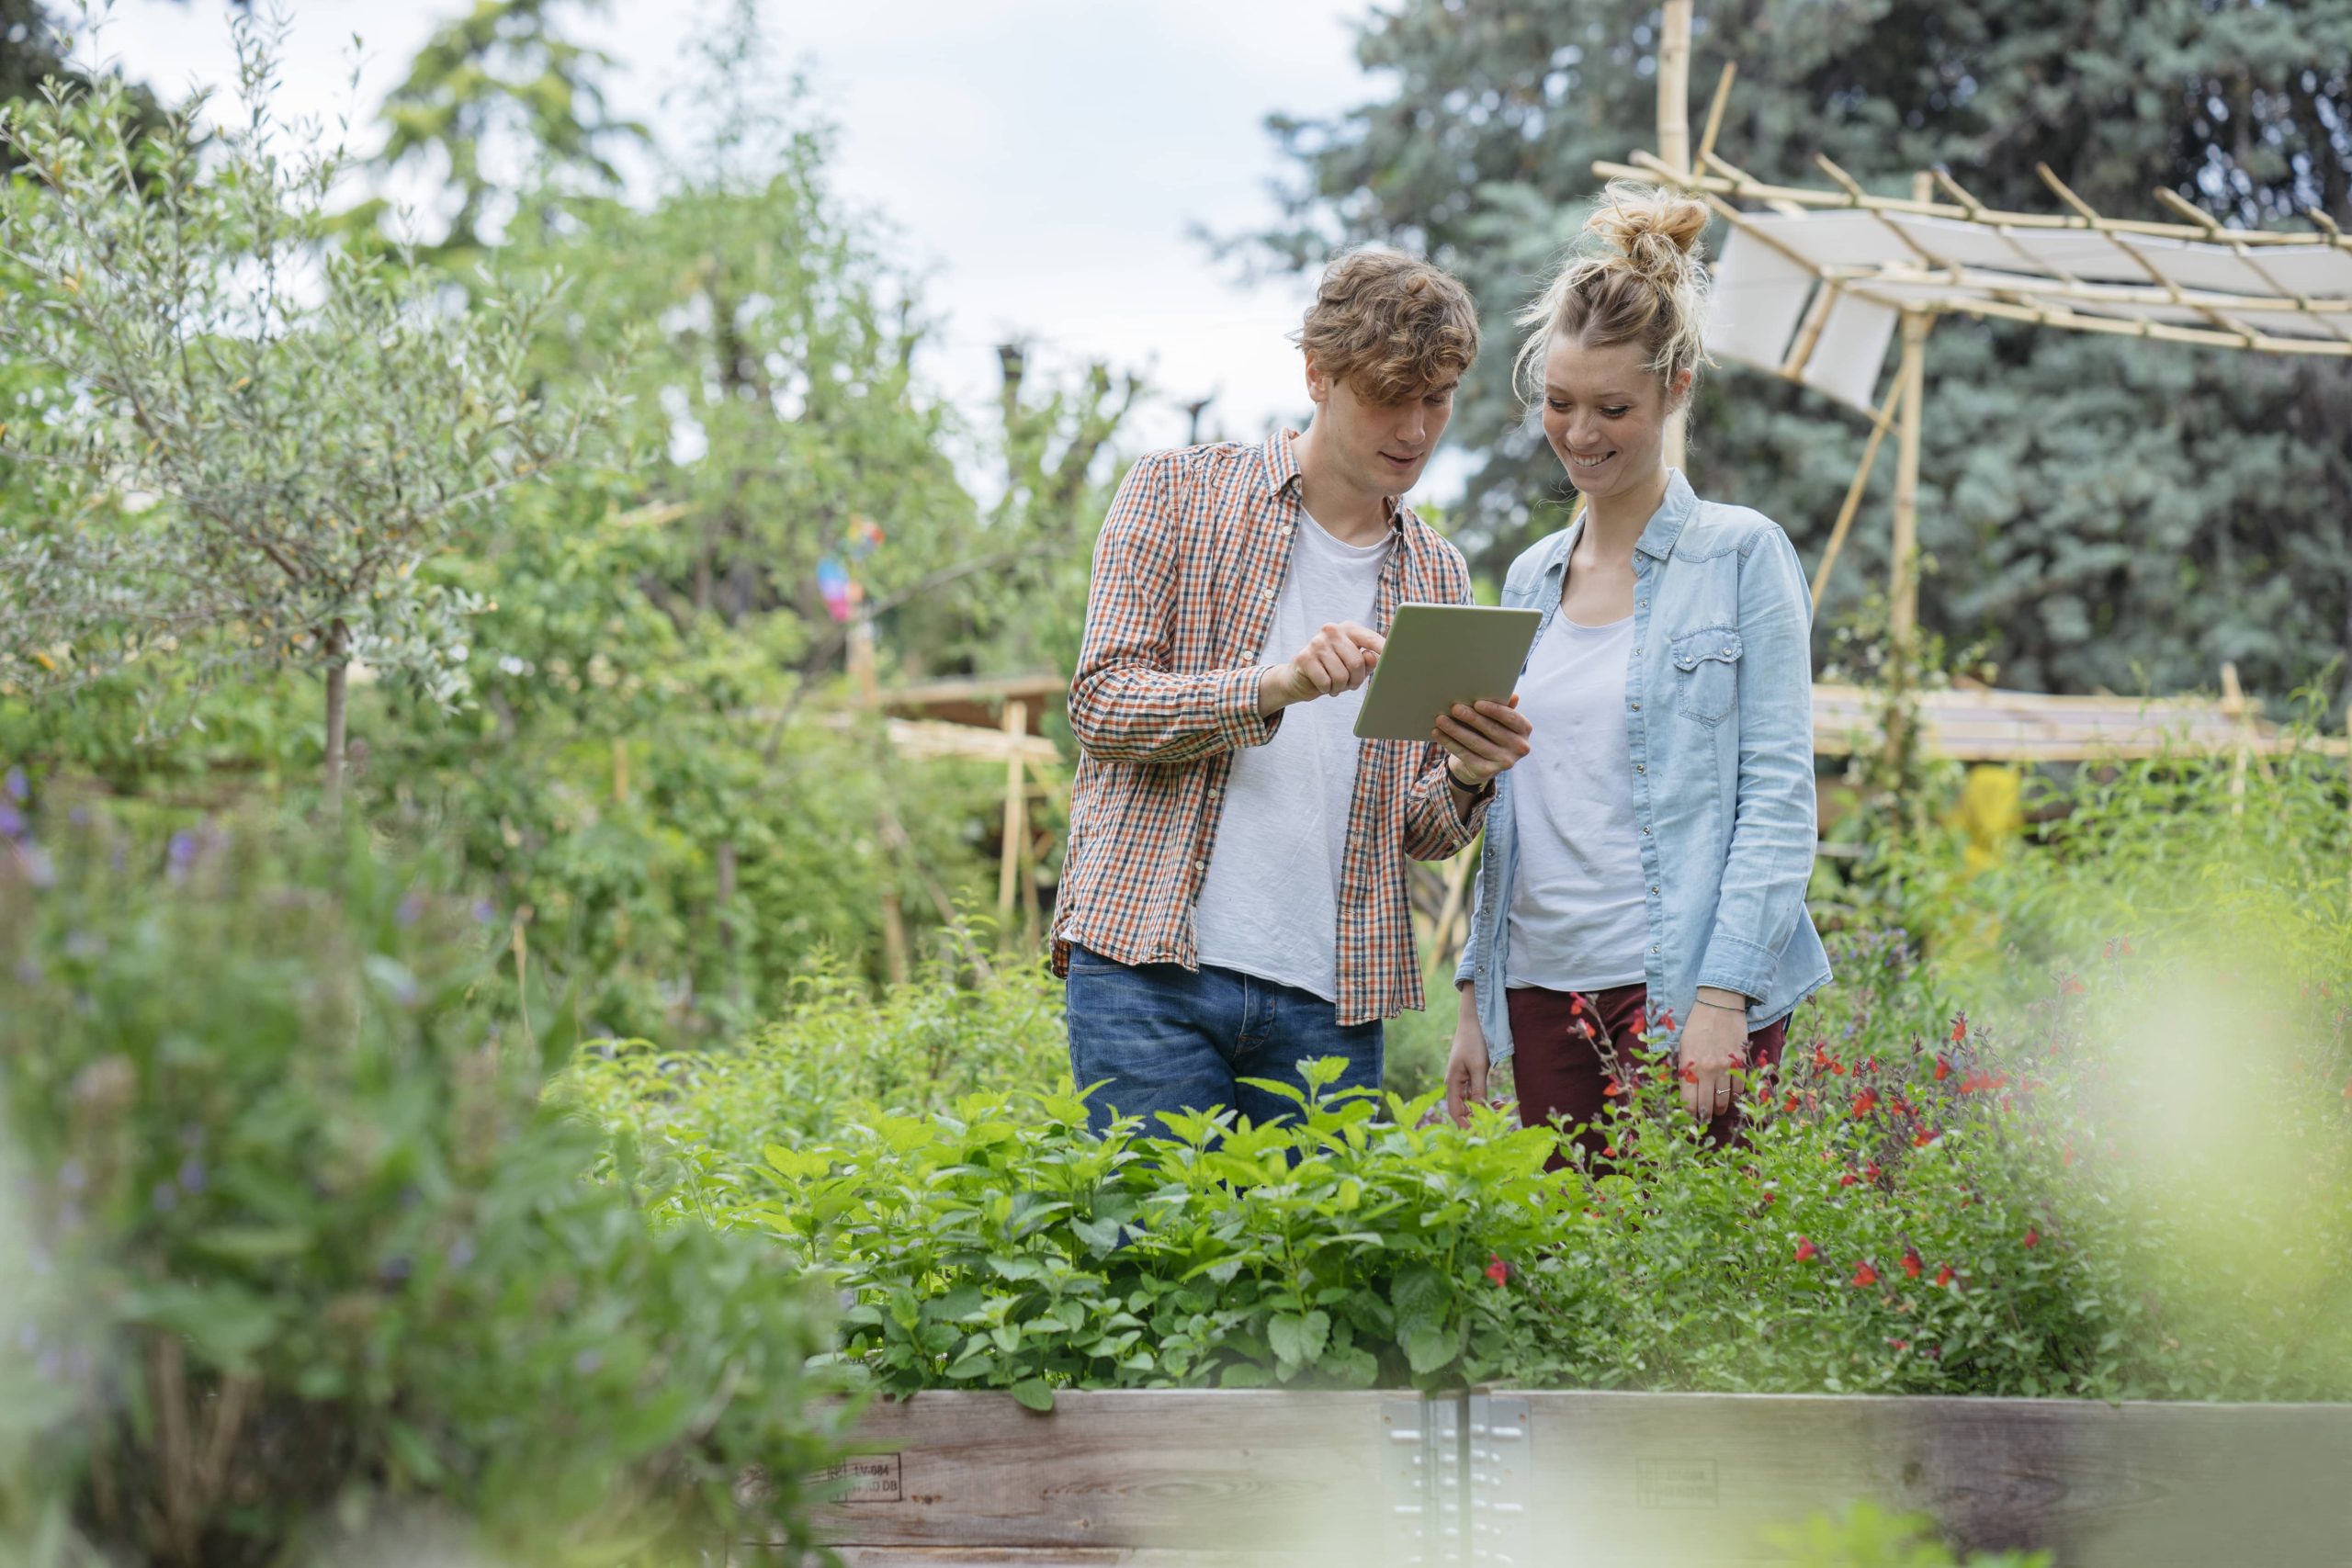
1708,659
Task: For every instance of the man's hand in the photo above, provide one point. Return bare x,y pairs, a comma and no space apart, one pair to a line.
1339,659
1715,1041
1483,740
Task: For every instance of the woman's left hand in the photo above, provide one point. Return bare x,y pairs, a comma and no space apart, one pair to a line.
1715,1041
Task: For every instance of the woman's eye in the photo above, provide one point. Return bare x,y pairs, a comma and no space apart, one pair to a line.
1619,413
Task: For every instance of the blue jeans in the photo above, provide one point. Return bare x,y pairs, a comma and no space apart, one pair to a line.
1162,1037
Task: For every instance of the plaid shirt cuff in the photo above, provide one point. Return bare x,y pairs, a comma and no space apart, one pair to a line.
1235,707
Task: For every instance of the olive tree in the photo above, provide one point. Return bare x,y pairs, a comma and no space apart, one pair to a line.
247,445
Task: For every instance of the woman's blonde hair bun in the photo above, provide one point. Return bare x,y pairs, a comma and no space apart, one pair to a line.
1635,276
1657,231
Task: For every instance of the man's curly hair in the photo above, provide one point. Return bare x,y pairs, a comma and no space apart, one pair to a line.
1391,326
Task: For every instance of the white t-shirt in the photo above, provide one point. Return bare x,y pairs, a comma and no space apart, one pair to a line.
1269,900
1578,918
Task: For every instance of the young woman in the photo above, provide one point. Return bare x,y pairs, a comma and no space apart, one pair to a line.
1648,859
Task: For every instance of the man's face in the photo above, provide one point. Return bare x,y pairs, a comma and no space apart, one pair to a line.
1381,448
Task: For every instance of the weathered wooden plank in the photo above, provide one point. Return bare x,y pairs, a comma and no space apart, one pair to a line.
1191,1469
1250,1478
1697,1478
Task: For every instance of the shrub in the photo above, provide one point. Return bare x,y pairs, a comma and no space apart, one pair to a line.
296,1253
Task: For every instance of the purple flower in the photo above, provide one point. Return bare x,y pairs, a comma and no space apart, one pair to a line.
79,817
40,870
410,908
182,853
461,1252
586,1363
17,788
485,913
12,821
192,1175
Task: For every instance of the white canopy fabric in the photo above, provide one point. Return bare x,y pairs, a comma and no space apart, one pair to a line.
1814,294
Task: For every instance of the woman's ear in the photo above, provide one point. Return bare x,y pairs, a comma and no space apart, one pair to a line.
1678,388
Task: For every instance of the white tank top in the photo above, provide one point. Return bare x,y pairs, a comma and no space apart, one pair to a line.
1578,918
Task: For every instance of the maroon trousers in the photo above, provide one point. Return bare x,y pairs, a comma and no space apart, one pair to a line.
1563,1071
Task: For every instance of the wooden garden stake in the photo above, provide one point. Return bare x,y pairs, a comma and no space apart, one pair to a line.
1903,586
894,920
1016,821
2233,704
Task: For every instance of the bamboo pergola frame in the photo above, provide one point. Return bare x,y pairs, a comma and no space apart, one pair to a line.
1926,285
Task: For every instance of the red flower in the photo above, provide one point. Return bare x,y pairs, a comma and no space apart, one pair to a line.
1912,1263
1576,1004
1943,1069
1866,1102
1497,1270
1959,1029
1690,1073
1771,1197
1898,1346
1665,1020
1821,1057
1864,1274
1944,1275
1793,1096
1641,1020
1614,1089
1871,1172
1924,1136
2071,987
2033,1236
1847,1179
1806,1251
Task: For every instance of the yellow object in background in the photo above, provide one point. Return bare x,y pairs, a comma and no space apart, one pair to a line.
1991,813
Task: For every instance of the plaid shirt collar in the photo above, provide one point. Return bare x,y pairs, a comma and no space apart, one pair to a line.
1280,455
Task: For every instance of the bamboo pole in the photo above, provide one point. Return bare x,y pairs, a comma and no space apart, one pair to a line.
2233,704
1903,584
1016,824
1648,166
1716,113
894,919
1853,501
1674,145
1457,880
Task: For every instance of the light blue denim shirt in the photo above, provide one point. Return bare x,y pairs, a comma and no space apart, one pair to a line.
1719,718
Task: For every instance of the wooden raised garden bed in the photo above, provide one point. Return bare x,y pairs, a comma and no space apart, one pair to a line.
1175,1479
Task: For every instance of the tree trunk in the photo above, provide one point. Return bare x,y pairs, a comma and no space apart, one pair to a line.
339,682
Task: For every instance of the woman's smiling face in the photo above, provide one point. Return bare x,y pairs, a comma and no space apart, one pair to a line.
1605,413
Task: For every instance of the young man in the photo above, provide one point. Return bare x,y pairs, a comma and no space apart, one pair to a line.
1233,902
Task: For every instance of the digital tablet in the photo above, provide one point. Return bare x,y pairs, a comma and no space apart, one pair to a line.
1439,655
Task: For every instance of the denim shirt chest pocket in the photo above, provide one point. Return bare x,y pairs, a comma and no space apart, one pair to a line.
1706,663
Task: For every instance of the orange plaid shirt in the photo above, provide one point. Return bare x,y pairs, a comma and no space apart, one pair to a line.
1191,559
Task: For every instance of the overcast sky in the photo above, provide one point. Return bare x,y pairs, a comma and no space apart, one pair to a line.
1045,159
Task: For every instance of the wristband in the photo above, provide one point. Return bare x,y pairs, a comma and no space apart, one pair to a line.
1720,1006
1473,791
